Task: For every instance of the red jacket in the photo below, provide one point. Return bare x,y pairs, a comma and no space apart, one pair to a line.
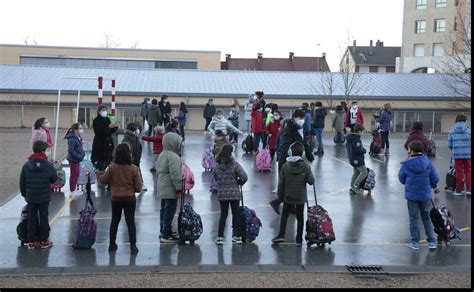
273,128
417,135
257,122
360,118
157,142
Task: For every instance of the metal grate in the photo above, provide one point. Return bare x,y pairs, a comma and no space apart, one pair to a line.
366,269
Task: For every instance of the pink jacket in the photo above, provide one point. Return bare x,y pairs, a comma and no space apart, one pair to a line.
43,135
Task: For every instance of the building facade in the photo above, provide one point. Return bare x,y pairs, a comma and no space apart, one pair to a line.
292,63
370,58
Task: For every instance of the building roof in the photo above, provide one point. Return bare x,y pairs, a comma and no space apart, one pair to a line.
382,56
155,82
277,64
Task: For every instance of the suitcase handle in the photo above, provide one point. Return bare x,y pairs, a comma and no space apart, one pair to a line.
241,195
315,199
88,190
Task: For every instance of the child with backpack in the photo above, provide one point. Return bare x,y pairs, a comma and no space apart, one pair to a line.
131,138
272,130
124,180
294,176
355,152
170,180
419,176
220,140
459,141
229,175
35,179
181,118
157,144
75,154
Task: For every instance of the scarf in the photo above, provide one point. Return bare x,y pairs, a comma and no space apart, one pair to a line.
41,155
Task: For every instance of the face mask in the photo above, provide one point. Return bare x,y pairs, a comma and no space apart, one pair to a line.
46,125
300,122
276,118
316,107
254,98
137,132
220,117
267,109
354,107
104,114
81,131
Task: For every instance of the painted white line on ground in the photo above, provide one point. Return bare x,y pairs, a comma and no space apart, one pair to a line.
61,210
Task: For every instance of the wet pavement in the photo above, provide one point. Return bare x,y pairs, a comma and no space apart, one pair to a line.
370,230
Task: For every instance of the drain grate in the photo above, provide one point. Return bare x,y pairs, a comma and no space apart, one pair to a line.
366,269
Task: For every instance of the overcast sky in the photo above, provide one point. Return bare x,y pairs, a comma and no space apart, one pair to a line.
242,28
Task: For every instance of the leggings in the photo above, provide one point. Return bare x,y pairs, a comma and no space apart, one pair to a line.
384,136
234,205
129,210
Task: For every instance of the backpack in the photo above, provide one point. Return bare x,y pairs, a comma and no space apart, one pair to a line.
208,160
247,144
251,223
319,227
86,225
369,182
376,144
188,177
22,227
86,171
443,224
189,222
57,185
264,160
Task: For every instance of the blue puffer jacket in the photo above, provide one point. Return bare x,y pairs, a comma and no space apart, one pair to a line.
419,176
75,152
459,141
384,120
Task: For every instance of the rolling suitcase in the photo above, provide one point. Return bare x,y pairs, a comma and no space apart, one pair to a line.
319,228
251,224
431,151
376,144
264,160
86,225
208,160
247,144
451,178
443,224
189,222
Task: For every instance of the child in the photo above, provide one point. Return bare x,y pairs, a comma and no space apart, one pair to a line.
220,140
356,152
229,175
459,141
183,111
294,176
172,127
125,180
272,130
75,154
257,126
220,123
157,143
338,123
419,176
35,179
130,138
170,179
234,119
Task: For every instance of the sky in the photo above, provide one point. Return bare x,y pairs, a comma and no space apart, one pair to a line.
241,28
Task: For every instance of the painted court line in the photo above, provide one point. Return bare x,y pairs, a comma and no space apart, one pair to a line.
61,210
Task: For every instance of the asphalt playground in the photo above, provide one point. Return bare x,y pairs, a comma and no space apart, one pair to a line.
370,230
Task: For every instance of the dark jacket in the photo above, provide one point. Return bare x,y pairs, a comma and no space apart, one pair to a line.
145,106
292,182
319,117
102,145
419,176
228,178
417,135
289,135
165,109
355,150
209,111
181,118
136,146
234,118
36,178
154,115
75,152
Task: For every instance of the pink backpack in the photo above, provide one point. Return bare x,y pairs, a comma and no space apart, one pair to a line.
188,177
264,160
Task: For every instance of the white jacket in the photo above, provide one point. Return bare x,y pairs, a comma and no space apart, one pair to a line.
224,125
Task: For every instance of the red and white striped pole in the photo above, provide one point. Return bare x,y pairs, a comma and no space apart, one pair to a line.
113,97
99,98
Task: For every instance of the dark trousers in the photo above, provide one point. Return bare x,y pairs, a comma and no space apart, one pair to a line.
256,141
264,139
208,121
352,127
299,219
151,130
272,153
167,211
181,129
33,211
235,137
236,221
384,136
128,208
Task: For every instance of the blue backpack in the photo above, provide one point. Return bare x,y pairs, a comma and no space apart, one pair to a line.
250,221
189,222
86,226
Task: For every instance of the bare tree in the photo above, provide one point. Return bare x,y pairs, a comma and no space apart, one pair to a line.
109,41
134,45
325,88
21,100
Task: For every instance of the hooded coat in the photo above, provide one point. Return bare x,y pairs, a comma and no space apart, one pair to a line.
168,167
222,124
257,122
459,141
319,117
136,146
274,129
102,145
355,149
419,176
75,152
290,135
294,176
36,178
154,115
229,177
339,120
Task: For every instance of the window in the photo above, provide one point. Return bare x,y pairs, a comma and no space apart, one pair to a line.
420,26
440,25
420,4
419,50
441,3
438,49
175,65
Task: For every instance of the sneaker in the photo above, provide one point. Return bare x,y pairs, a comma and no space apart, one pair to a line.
234,239
275,204
113,247
278,239
468,193
456,193
46,244
171,239
414,245
133,249
32,245
432,245
219,240
238,240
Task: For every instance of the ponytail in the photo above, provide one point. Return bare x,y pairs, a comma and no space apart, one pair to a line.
73,127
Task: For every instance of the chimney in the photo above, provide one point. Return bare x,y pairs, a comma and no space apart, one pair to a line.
381,44
377,44
227,58
371,48
259,57
292,56
354,47
324,56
